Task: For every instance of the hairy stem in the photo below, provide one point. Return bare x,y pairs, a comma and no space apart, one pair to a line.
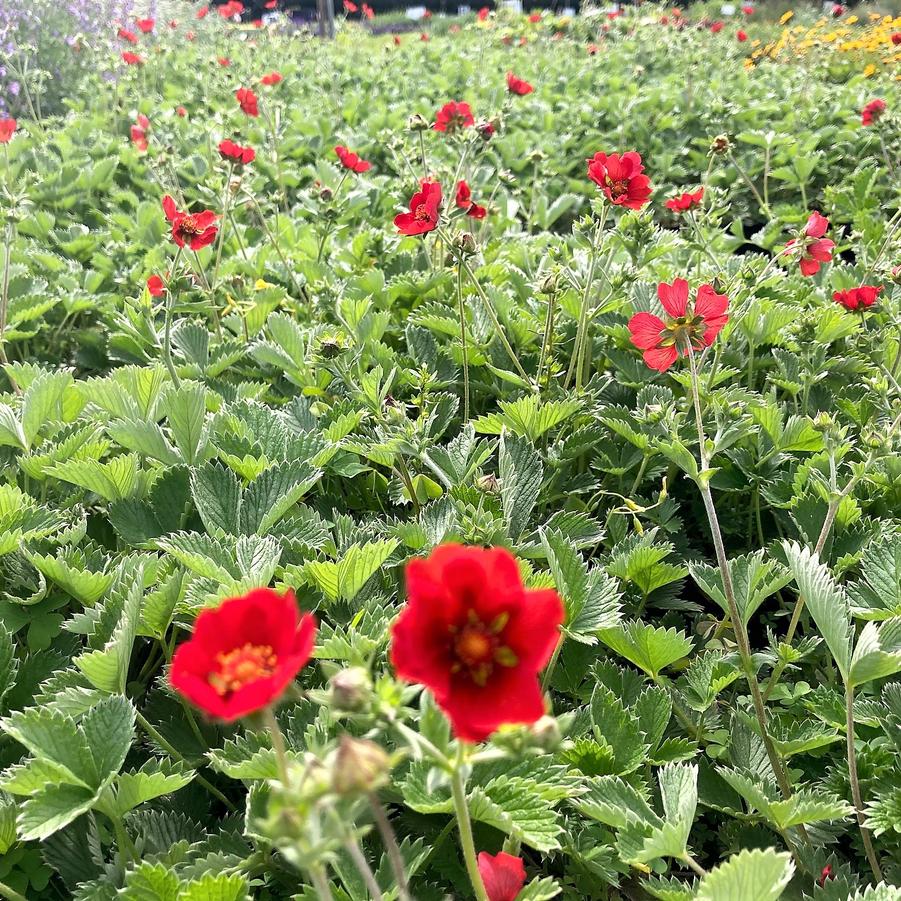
855,786
389,840
462,309
465,826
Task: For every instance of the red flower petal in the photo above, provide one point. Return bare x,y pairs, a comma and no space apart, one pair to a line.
646,329
674,297
502,874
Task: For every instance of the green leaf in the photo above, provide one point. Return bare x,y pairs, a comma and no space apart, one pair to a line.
755,875
186,416
754,579
827,603
520,472
527,417
650,648
619,730
154,779
107,668
877,652
9,665
108,728
610,800
357,566
54,807
878,594
215,887
150,882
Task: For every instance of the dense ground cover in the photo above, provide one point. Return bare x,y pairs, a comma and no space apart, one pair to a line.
286,314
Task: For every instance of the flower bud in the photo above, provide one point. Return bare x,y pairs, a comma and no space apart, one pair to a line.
416,122
537,156
545,733
465,243
351,689
823,422
486,129
234,185
720,144
506,177
360,766
329,348
548,284
326,193
489,484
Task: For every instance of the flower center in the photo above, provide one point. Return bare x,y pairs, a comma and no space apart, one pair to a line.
189,225
241,666
422,213
619,187
477,648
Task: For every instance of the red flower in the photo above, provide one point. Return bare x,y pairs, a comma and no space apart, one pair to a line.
181,112
224,61
127,35
503,875
235,153
476,637
231,9
483,13
247,100
423,36
202,12
535,18
662,342
243,654
139,132
197,230
368,11
351,161
173,24
452,116
350,6
872,112
424,211
896,38
7,130
748,10
132,59
685,202
838,10
257,23
465,202
145,26
518,86
815,249
825,873
271,79
156,286
621,178
189,35
857,298
485,130
593,49
716,27
427,14
741,36
397,40
271,4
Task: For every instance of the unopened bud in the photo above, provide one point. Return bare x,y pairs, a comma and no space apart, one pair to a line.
329,348
545,733
360,766
351,689
823,422
486,129
720,144
548,284
416,122
506,177
234,185
537,156
465,243
489,484
326,194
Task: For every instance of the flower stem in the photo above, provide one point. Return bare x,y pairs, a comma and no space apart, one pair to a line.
363,868
738,624
320,882
462,309
389,840
576,361
693,864
4,299
278,745
167,328
10,894
464,824
855,786
547,342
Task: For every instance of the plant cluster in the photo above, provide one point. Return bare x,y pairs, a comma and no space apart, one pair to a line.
428,474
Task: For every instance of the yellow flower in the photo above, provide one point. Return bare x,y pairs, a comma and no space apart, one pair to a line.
786,17
869,70
261,285
851,20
